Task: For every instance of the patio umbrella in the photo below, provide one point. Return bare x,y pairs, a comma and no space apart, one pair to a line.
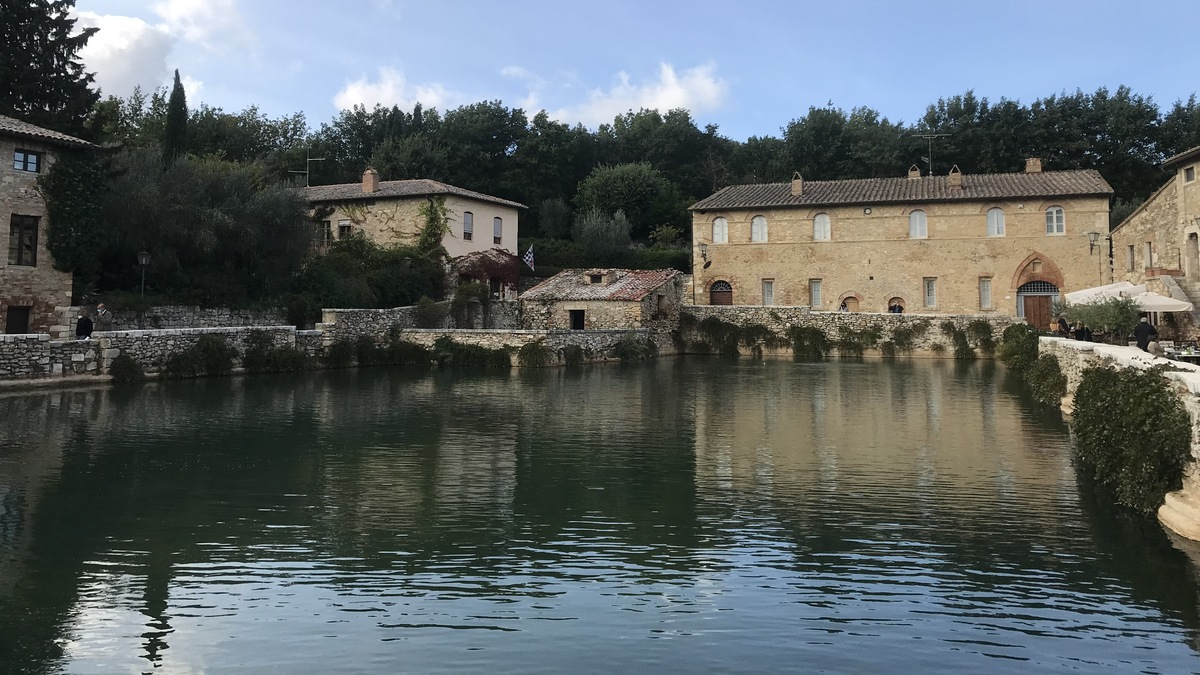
1120,288
1153,302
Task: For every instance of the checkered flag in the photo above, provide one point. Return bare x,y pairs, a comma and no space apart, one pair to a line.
528,258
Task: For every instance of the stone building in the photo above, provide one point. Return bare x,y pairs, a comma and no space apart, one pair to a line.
30,288
954,244
388,212
603,299
1160,241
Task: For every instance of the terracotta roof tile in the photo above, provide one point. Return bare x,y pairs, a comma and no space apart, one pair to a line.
575,284
1184,156
421,187
975,187
16,127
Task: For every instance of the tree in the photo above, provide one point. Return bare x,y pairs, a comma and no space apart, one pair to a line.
175,137
42,80
72,188
603,237
640,191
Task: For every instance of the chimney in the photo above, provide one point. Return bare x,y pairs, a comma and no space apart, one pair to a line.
954,182
370,181
797,184
914,172
1033,165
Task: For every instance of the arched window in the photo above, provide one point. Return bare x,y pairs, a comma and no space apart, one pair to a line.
468,225
917,225
720,293
720,233
821,227
995,222
758,228
1056,220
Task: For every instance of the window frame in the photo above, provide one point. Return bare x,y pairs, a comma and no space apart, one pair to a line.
1189,174
923,223
814,293
468,232
929,292
1056,221
497,230
1131,253
768,292
759,231
720,235
985,293
1148,263
345,228
20,255
21,160
822,227
995,222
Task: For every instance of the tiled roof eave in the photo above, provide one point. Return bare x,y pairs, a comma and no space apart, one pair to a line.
884,202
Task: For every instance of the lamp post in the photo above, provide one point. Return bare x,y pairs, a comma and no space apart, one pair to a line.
143,261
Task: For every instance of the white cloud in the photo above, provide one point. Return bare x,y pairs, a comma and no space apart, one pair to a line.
129,51
391,88
532,81
697,89
125,52
191,88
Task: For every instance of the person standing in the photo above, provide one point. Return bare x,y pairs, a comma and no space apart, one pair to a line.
104,318
1143,333
83,327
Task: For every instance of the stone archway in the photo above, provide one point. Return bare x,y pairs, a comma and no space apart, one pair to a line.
720,292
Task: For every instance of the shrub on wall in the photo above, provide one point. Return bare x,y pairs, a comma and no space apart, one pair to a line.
124,369
1132,434
980,331
535,355
340,354
209,356
428,313
572,355
852,342
632,348
1018,347
448,353
1046,380
808,343
722,335
262,356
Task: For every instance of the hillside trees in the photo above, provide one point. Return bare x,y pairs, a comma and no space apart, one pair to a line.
42,80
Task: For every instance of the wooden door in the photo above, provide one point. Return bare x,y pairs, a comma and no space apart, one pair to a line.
1037,311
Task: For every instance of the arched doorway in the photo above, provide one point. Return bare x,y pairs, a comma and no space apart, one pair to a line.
896,304
720,293
1035,300
851,304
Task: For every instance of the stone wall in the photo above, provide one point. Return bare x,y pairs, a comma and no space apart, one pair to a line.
597,345
1180,512
779,319
1155,222
183,316
348,324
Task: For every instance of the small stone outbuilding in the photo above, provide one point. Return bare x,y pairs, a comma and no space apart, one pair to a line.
603,299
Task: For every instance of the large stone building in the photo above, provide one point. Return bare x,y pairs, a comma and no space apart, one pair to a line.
1003,243
30,288
389,212
1161,239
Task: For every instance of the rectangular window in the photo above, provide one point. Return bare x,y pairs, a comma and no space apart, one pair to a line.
22,241
497,230
1189,174
930,291
814,293
985,292
768,291
345,229
24,160
1129,263
322,234
468,226
1149,261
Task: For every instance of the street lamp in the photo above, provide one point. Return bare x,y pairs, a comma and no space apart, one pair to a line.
143,261
1093,237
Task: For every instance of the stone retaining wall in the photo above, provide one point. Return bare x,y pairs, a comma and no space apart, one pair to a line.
1180,512
182,316
597,345
348,324
779,319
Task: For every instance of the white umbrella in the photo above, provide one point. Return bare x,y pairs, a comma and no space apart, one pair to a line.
1120,288
1153,302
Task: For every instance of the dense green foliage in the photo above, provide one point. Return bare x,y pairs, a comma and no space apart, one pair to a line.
851,342
1115,317
1046,380
42,80
209,356
448,353
1132,433
125,370
429,313
1018,347
535,355
808,343
572,355
631,347
262,356
72,188
175,132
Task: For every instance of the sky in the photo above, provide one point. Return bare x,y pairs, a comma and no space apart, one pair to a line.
748,67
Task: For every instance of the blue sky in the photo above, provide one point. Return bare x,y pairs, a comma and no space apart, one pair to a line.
748,67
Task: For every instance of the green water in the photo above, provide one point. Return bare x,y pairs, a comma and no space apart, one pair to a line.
691,515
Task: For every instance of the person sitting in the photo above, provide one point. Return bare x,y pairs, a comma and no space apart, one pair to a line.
83,328
1083,333
1143,333
1063,329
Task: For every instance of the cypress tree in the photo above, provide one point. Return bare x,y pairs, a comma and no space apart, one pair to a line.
175,134
42,80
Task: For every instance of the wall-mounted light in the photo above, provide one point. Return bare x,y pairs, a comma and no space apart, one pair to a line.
867,210
1093,237
704,251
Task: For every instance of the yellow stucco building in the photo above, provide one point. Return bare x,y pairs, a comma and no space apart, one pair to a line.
388,212
1004,243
